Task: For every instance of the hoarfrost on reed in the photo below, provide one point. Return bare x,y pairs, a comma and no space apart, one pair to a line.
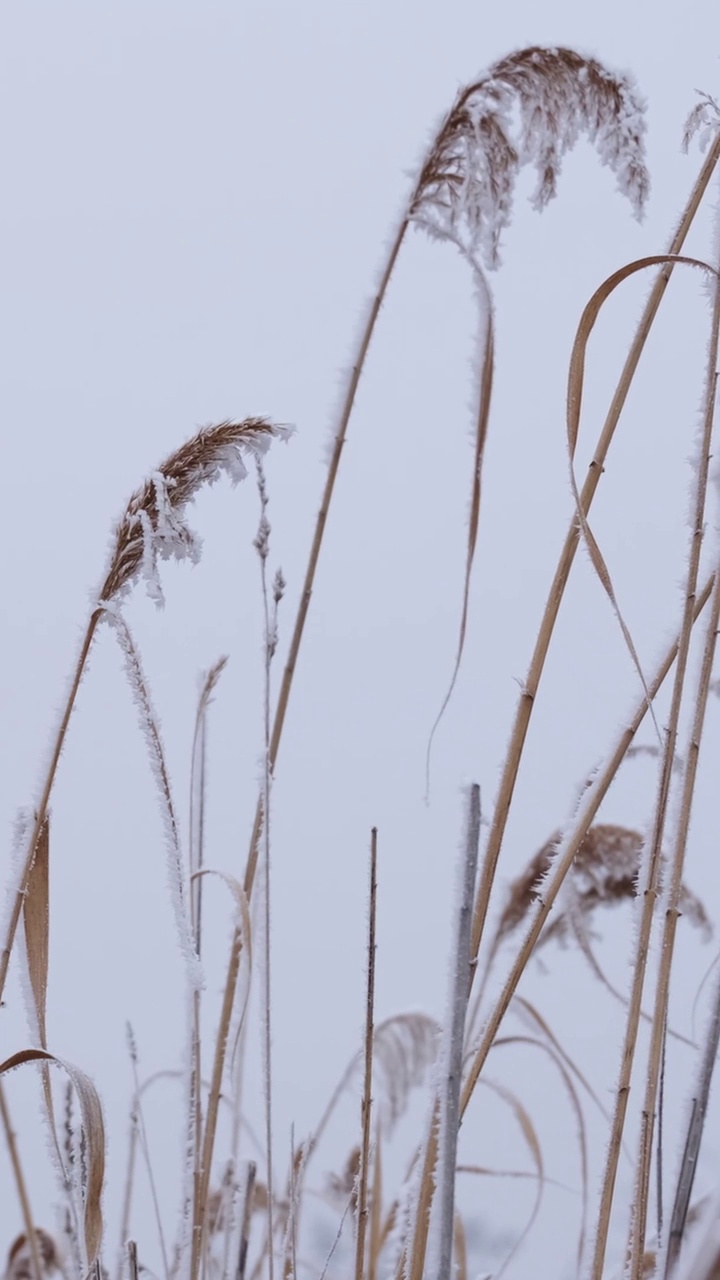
154,526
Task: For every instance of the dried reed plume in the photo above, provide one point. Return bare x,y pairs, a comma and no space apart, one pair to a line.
603,874
467,181
154,525
152,528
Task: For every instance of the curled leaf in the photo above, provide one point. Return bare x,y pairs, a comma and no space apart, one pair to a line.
93,1129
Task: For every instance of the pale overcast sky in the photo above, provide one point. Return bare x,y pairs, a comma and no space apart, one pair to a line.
196,200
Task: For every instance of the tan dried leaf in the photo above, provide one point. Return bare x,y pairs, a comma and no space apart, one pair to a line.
36,922
93,1128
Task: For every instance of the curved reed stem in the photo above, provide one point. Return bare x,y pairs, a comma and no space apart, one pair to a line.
530,687
662,991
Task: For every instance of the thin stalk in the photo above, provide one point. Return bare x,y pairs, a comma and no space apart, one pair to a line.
530,687
691,760
145,1148
223,1030
18,1175
376,1211
362,1213
42,808
418,1244
668,943
127,1197
693,1139
592,800
317,541
245,1225
651,888
132,1260
450,1121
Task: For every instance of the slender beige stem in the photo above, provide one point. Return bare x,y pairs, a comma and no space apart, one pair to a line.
530,688
284,697
45,797
127,1195
316,545
640,1200
245,1226
591,803
30,1232
362,1211
376,1211
418,1245
691,760
450,1115
651,887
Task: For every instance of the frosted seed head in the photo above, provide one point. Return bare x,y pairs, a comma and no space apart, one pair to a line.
530,109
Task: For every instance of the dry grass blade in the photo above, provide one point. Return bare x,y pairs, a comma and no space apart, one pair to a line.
576,371
94,1137
465,190
36,924
36,928
574,400
521,1175
197,790
481,431
532,1143
535,1018
572,1093
244,927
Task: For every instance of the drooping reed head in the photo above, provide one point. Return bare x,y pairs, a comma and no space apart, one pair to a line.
154,527
529,109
